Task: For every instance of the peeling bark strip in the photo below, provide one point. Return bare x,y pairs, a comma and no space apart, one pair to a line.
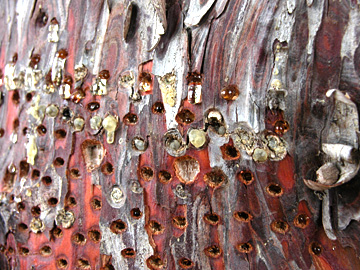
179,134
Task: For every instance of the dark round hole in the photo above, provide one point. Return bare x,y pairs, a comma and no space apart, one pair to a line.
78,239
128,253
60,134
165,177
53,201
118,226
35,174
107,168
66,114
2,132
94,235
62,263
46,180
21,206
45,251
22,227
245,247
154,262
213,251
56,232
96,204
229,152
75,173
16,97
179,222
35,211
212,218
24,251
246,177
274,190
24,168
71,201
58,162
16,123
280,226
29,97
242,216
155,227
185,263
83,263
146,173
215,178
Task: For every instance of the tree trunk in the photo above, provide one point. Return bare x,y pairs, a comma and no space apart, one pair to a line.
179,134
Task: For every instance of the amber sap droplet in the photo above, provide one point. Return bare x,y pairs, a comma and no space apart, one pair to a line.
281,127
77,96
230,92
136,213
34,60
315,248
41,19
130,119
93,106
194,87
68,80
158,108
145,81
67,114
62,54
185,117
41,130
301,221
15,58
104,74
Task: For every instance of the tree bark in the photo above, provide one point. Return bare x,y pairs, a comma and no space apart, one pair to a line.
111,160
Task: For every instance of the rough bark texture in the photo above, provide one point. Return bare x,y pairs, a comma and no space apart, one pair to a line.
303,48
